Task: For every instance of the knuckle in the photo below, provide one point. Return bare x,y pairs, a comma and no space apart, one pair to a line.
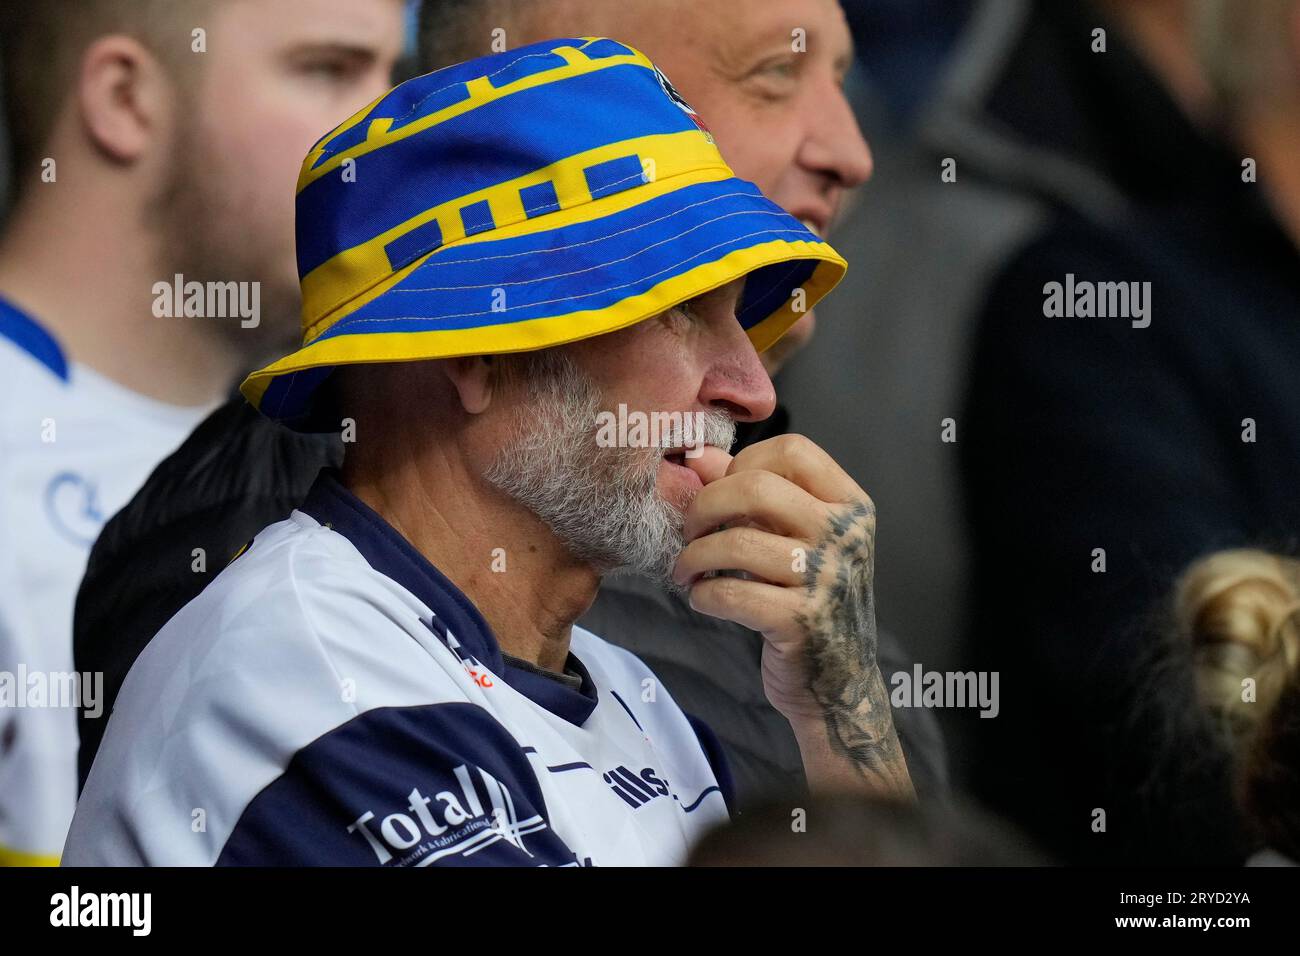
749,540
727,590
758,485
795,447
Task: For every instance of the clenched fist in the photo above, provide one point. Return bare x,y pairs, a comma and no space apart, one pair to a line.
782,541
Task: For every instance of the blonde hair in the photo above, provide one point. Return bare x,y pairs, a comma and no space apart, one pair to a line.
1240,611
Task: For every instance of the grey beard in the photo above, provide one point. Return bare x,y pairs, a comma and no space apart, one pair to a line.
602,503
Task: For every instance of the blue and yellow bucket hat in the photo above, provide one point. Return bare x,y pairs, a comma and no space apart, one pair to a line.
520,201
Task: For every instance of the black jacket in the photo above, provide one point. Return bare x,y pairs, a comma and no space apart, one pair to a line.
239,472
1087,433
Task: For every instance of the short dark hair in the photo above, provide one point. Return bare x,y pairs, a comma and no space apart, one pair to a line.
42,42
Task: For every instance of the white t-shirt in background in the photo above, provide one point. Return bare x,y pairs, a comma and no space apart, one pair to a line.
74,449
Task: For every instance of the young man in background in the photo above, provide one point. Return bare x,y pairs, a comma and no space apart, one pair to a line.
152,139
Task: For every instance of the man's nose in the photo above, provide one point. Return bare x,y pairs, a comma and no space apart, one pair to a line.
736,382
835,146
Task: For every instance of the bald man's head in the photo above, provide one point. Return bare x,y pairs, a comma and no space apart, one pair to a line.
766,76
452,31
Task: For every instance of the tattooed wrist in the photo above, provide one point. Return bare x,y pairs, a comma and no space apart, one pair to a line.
865,735
840,645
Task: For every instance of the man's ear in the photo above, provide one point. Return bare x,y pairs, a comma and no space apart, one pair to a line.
122,97
473,377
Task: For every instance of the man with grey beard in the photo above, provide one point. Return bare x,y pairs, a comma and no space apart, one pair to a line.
782,121
605,507
418,610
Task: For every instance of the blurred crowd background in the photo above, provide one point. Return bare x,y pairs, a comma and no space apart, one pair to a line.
1095,463
1106,515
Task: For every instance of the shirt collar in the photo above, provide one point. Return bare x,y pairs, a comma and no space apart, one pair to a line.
30,336
455,621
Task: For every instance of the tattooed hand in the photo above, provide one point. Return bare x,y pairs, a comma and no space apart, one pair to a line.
802,532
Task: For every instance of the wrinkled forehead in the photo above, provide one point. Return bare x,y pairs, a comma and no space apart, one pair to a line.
726,32
683,35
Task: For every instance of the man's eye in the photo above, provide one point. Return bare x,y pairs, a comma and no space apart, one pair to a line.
331,70
775,80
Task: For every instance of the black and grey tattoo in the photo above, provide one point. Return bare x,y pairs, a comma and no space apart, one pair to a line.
841,645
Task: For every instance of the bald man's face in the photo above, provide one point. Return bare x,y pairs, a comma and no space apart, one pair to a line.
767,78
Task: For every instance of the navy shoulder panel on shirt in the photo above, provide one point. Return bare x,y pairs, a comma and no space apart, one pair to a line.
443,784
717,758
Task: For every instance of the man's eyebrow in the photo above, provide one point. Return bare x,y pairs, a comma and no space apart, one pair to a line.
350,50
733,300
848,52
767,41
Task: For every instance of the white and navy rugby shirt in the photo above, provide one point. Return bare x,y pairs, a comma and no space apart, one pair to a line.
74,448
331,698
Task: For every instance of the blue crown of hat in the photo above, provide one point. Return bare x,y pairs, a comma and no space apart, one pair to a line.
520,201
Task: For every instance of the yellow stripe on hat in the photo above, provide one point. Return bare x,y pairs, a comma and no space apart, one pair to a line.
355,276
481,93
374,347
826,276
598,209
